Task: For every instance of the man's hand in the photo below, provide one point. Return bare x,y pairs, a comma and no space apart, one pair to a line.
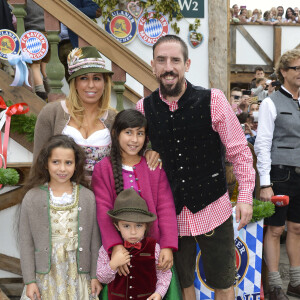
155,296
165,261
96,287
243,214
153,159
32,291
266,194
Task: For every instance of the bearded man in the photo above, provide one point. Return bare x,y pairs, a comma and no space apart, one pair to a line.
190,127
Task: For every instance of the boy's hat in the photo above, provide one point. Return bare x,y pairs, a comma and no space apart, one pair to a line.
130,207
85,60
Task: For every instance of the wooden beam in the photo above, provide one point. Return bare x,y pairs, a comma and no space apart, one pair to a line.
277,44
218,44
23,170
254,44
131,95
11,198
250,68
105,43
241,77
233,44
3,296
10,264
11,280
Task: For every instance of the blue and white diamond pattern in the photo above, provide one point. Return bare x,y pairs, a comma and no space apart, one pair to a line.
153,28
252,235
33,45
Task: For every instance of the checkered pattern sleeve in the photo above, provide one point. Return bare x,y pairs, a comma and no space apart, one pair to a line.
225,122
163,278
104,272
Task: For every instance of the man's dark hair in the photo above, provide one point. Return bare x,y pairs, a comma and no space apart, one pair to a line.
235,89
281,7
258,69
173,38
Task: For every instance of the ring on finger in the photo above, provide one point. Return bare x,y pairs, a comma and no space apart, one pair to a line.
159,160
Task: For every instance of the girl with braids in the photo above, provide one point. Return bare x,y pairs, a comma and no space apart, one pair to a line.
127,168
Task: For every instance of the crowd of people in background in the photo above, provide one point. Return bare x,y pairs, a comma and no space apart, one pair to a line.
270,17
245,102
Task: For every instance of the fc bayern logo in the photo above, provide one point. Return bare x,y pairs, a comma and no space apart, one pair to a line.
151,29
35,44
242,263
9,43
122,26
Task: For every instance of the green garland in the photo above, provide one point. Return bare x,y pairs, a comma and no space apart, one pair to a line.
23,124
169,8
9,177
262,210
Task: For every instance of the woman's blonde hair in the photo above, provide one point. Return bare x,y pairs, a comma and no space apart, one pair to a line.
74,104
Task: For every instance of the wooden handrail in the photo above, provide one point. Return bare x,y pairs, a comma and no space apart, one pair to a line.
96,36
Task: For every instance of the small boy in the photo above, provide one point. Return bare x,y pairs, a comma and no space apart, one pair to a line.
144,282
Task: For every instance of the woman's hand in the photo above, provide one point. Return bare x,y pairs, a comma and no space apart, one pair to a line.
153,159
96,287
165,260
32,291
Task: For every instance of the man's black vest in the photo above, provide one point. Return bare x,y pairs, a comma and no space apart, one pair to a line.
191,151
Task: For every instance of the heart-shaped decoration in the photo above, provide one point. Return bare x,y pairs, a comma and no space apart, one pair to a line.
135,9
193,41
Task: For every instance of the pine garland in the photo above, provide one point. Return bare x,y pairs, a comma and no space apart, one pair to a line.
9,177
262,210
23,124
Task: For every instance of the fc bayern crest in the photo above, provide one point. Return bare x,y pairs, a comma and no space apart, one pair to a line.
122,26
9,43
242,263
34,44
149,31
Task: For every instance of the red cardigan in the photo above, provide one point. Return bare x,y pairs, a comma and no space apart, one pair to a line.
155,190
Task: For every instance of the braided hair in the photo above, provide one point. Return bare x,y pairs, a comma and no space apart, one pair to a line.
129,118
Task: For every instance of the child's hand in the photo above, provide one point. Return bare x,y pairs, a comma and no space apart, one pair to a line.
155,296
32,291
96,287
165,261
122,270
121,257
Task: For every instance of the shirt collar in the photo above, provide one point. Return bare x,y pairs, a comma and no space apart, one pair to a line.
169,103
285,92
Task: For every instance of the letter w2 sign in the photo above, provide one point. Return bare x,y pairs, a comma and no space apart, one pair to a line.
192,8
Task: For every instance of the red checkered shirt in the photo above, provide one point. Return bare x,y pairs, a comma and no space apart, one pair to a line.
225,122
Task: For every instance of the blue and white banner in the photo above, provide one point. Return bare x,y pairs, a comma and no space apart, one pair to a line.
248,250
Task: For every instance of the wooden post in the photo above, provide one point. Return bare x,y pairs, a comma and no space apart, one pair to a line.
20,13
218,44
119,79
277,44
55,69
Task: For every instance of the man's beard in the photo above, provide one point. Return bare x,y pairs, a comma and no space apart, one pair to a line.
167,90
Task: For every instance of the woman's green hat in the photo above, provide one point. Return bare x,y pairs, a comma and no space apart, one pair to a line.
130,207
85,60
